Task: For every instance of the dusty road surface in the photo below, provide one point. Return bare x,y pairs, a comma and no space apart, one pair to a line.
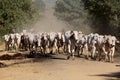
56,67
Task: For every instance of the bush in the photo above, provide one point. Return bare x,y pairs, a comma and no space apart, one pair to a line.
15,14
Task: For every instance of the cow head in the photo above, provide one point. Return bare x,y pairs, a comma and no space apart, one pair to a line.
111,40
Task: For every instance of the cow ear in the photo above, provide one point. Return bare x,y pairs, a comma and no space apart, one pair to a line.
117,41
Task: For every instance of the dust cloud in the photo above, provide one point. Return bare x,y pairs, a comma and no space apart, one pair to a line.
49,22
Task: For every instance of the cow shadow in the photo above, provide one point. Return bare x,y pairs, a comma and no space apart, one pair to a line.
43,57
2,50
110,76
28,58
2,65
118,65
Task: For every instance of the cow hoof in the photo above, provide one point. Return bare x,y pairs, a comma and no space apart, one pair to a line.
111,61
73,58
68,57
78,55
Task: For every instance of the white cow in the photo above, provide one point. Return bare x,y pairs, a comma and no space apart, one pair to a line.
110,48
92,41
70,42
53,42
6,39
82,45
60,41
17,40
12,41
44,42
33,41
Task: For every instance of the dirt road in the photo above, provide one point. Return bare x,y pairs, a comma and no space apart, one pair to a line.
56,67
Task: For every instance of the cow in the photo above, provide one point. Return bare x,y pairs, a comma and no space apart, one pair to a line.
53,39
70,42
59,38
100,46
44,42
32,41
82,45
6,40
103,44
39,37
17,40
92,41
110,48
12,41
24,42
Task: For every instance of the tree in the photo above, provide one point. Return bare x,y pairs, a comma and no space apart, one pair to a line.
15,14
105,15
73,12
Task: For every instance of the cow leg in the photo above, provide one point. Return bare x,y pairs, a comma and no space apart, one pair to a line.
99,54
40,49
68,56
55,44
61,50
78,51
112,55
106,53
69,52
81,50
9,46
28,47
65,47
106,56
16,47
73,51
58,49
21,46
110,58
6,46
45,49
85,50
36,45
93,52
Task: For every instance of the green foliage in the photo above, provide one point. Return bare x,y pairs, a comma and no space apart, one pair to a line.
16,14
105,14
71,11
102,15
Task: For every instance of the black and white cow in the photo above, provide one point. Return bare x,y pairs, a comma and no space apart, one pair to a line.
70,42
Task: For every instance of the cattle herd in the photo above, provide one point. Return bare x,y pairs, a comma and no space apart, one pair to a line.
92,46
